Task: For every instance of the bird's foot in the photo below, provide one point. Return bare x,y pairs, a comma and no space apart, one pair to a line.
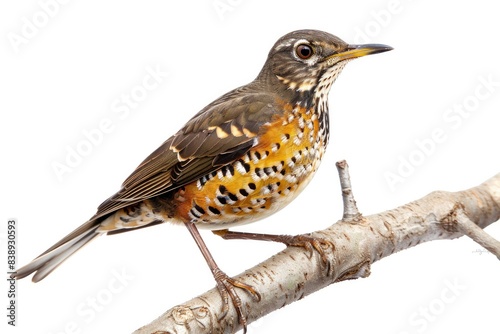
310,243
226,286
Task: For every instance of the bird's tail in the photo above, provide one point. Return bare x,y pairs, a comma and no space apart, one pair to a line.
46,262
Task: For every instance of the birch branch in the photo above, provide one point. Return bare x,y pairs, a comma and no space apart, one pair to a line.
358,242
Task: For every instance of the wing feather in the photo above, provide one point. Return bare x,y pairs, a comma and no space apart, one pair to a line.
219,134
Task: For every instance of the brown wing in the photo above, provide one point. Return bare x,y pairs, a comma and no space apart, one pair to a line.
219,134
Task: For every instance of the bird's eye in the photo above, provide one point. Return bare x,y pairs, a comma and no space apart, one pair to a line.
304,51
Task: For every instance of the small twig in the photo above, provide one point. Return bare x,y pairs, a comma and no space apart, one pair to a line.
351,212
470,229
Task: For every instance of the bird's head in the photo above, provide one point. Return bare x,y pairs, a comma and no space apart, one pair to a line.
304,59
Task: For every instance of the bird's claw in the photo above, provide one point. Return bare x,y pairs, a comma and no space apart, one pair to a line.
226,286
311,244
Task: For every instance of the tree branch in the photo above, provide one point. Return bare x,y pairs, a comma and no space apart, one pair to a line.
358,242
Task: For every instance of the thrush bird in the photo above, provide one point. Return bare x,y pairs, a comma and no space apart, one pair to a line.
241,158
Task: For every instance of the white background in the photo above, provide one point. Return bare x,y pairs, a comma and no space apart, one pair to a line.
64,79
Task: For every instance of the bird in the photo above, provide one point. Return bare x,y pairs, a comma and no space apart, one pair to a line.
240,159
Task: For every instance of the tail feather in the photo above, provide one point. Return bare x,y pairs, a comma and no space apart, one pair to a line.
57,254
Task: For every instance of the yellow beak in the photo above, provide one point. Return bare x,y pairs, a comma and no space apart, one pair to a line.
356,51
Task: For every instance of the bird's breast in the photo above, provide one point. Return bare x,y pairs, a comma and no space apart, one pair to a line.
268,177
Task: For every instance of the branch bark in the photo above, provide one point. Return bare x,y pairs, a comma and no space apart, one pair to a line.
358,242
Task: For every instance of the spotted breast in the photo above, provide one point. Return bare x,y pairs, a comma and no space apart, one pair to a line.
269,176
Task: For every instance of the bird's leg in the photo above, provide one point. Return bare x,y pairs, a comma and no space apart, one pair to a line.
308,242
225,284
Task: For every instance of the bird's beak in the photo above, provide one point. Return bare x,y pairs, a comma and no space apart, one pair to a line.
356,51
